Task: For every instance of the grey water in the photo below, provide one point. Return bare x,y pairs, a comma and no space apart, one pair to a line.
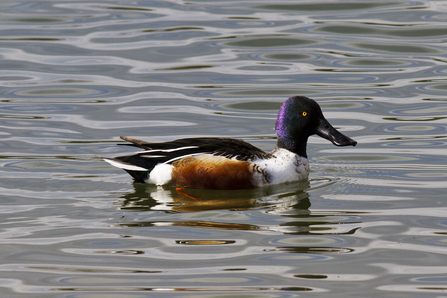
75,75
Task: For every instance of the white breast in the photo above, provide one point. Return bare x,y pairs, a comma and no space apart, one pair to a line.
284,166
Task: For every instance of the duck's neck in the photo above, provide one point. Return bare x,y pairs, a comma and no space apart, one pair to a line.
297,146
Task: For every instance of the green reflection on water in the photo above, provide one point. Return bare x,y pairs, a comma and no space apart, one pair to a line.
326,6
270,42
405,48
288,56
356,29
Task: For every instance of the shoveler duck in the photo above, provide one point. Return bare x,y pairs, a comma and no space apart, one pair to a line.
224,163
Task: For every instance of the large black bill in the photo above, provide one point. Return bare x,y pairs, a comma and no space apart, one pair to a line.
327,131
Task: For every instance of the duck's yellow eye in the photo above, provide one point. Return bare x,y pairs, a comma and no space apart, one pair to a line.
304,114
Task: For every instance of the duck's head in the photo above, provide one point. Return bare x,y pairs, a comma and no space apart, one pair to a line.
301,117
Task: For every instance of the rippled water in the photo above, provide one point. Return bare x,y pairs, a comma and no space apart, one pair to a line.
74,75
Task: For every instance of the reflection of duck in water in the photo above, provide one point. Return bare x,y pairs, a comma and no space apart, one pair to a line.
288,203
222,163
281,198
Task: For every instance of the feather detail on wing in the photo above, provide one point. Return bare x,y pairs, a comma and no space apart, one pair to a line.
168,152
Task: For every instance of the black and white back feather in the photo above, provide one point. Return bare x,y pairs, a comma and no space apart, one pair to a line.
139,164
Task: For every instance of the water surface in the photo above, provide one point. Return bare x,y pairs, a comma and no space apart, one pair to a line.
74,76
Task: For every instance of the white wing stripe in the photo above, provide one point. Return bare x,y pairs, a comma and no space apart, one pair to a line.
168,150
178,157
125,166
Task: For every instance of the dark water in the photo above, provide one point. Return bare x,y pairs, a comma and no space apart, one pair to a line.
371,221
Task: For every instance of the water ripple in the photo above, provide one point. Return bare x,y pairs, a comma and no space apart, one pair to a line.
75,76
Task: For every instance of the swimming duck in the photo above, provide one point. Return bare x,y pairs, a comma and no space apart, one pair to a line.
225,163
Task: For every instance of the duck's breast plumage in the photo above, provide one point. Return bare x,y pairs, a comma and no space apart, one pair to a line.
283,166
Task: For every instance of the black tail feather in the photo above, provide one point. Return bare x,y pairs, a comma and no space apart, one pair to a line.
138,176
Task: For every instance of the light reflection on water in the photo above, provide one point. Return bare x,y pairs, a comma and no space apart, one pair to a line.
75,76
